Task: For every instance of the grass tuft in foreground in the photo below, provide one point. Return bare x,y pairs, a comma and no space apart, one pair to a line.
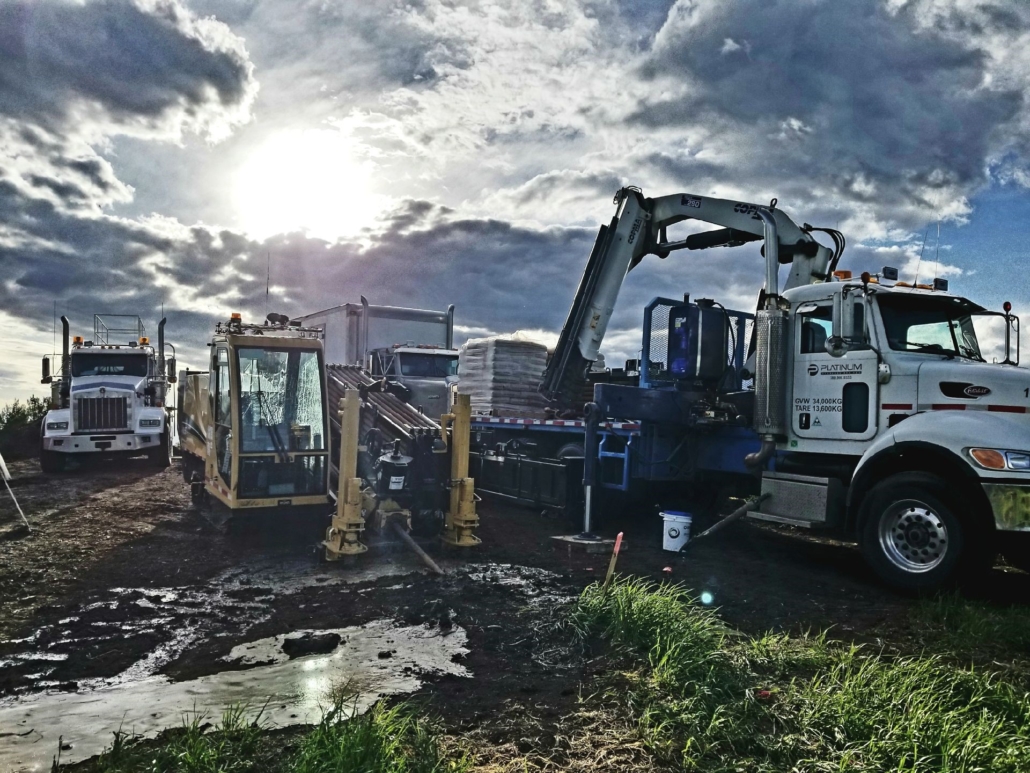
382,740
233,748
709,698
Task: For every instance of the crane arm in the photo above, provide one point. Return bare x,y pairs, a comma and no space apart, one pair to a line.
639,229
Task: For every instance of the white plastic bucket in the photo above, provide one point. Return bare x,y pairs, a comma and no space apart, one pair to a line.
676,532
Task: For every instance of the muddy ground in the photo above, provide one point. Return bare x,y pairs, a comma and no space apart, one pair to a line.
121,580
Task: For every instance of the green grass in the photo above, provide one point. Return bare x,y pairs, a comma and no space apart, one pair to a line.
708,698
971,629
193,748
382,740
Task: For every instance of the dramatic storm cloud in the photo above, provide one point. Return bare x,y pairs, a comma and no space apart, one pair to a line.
427,153
893,110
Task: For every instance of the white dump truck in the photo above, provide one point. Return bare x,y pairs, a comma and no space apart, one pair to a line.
108,396
412,348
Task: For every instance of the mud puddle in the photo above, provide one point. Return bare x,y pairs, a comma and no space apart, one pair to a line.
371,661
161,623
86,702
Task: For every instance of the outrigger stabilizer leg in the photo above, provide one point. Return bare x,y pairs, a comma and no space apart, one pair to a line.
461,520
343,537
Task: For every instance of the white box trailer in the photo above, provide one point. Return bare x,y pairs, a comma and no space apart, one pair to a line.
411,347
352,331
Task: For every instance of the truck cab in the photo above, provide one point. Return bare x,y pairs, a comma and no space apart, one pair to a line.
897,351
900,431
425,372
254,427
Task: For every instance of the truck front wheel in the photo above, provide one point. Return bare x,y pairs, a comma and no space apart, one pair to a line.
191,465
916,532
161,454
51,461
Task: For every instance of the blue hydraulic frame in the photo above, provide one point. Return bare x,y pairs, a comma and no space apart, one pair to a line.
721,455
738,319
625,455
726,454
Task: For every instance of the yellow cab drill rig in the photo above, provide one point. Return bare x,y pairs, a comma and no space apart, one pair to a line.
253,429
255,435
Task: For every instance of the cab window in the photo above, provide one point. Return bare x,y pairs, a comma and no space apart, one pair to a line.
816,324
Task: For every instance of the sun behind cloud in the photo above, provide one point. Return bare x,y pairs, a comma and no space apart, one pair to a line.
306,180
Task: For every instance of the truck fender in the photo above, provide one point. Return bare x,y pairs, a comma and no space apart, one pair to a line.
930,442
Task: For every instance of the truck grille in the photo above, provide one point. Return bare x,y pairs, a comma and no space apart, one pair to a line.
101,413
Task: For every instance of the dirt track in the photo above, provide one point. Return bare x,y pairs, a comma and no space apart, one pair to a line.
120,580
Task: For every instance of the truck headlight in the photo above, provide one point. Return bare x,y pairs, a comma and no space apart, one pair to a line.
999,459
150,422
57,425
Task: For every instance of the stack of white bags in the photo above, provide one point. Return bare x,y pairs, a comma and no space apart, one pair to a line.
502,375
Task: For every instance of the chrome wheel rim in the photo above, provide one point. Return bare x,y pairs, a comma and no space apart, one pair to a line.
913,536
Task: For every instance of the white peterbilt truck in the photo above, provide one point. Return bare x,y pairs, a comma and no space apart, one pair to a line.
109,395
871,412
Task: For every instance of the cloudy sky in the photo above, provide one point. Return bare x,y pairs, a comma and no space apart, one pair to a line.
430,152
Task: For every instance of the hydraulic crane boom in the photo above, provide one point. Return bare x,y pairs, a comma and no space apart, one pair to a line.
639,229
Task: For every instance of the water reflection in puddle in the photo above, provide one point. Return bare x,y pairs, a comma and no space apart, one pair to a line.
138,701
295,691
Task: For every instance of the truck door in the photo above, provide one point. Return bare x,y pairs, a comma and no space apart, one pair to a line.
835,398
221,391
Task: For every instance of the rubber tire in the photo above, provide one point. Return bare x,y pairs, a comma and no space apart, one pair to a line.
570,450
51,461
161,455
964,555
190,465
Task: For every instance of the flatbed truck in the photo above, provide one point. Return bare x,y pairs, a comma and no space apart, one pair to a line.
855,404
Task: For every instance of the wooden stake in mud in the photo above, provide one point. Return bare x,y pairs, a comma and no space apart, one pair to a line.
7,476
611,564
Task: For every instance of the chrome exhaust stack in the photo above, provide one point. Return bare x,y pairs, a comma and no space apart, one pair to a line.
772,339
66,363
161,382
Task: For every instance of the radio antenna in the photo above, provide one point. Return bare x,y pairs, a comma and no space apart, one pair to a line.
268,277
937,252
918,262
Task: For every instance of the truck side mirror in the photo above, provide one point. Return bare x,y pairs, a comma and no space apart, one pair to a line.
172,377
47,378
1011,326
836,346
843,325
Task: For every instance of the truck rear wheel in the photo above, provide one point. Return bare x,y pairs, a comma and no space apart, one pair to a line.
916,532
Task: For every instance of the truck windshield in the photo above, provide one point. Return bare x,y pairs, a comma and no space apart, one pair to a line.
428,365
929,325
108,364
281,406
